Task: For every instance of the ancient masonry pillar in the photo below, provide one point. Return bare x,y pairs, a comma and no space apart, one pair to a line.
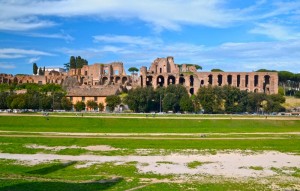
261,82
234,80
251,82
242,81
215,79
224,79
165,81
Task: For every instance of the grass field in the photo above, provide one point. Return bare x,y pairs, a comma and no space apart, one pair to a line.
151,153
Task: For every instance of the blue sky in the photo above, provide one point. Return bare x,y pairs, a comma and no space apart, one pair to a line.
233,35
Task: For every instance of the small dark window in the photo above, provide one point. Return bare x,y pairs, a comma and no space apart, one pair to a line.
95,98
71,98
82,98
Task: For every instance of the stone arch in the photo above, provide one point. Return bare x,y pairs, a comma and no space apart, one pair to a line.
192,91
191,80
104,80
181,79
266,84
238,80
117,80
256,78
171,79
220,79
229,79
256,90
202,83
149,80
160,81
124,79
210,79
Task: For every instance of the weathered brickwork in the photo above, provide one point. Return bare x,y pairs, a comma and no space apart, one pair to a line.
163,71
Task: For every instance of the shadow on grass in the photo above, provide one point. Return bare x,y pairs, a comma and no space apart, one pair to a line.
62,186
50,169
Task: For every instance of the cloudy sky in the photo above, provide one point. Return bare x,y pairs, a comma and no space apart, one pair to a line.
233,35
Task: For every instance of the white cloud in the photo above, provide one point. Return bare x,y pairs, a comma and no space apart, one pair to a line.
7,66
124,39
61,35
10,53
278,32
282,55
33,60
28,14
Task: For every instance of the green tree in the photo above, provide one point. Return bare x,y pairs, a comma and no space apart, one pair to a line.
34,69
101,106
210,99
40,71
186,104
67,66
216,70
297,94
133,69
142,99
3,98
91,104
72,62
112,101
80,62
79,106
66,104
170,102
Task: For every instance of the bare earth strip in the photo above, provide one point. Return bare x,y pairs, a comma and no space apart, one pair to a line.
232,164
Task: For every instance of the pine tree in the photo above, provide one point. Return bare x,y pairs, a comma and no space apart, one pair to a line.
35,68
72,62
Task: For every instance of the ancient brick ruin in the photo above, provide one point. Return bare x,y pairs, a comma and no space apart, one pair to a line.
162,72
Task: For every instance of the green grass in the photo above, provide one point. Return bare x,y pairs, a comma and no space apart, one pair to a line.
256,168
195,164
135,125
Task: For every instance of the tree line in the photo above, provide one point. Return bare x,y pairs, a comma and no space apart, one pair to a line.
210,99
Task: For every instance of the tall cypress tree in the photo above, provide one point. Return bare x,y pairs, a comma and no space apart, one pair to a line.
72,62
35,68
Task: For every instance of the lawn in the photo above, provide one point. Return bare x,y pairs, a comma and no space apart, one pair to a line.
272,135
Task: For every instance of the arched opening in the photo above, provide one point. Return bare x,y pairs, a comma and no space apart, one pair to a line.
191,80
171,80
192,91
246,81
255,80
255,90
220,79
238,80
117,80
266,84
124,79
149,80
181,79
229,80
104,81
160,81
210,79
202,83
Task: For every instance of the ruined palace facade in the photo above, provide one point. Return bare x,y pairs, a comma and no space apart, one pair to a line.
163,72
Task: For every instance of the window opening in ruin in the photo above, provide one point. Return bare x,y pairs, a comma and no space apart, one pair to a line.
116,72
95,98
266,83
85,73
210,79
202,82
220,79
181,79
238,81
118,80
192,91
246,80
105,71
171,80
229,79
149,81
255,80
160,70
141,81
191,80
104,80
160,81
124,79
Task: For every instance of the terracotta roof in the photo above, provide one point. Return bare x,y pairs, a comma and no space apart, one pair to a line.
93,91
